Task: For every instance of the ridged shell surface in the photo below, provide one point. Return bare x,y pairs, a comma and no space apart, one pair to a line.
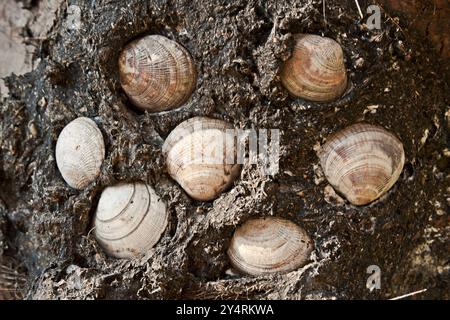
316,69
129,220
196,155
362,162
12,283
269,245
157,73
80,151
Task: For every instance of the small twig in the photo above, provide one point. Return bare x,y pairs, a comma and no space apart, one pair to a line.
35,38
394,22
89,233
409,294
389,18
155,291
359,9
8,290
324,13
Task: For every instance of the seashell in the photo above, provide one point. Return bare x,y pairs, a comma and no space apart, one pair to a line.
157,73
362,162
269,245
316,69
197,153
129,220
12,283
80,152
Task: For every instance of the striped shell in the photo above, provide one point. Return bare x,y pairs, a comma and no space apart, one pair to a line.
316,69
12,283
157,73
200,154
269,245
362,162
80,152
129,220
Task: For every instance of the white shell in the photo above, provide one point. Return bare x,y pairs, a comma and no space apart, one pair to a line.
80,152
129,220
362,162
269,245
196,154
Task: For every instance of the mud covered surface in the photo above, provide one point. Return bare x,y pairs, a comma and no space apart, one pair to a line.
397,81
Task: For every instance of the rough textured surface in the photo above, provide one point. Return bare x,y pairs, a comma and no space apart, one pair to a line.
238,47
428,17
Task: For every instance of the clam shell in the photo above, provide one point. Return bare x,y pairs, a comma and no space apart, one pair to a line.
196,154
157,73
129,220
12,283
269,245
80,152
362,162
316,69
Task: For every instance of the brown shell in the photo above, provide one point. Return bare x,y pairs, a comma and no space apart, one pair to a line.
269,245
362,162
196,154
157,73
316,69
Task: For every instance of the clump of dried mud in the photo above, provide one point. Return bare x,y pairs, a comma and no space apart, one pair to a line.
238,47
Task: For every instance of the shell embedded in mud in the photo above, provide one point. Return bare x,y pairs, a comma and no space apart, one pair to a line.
12,283
80,151
362,162
129,220
157,73
316,69
269,245
200,155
